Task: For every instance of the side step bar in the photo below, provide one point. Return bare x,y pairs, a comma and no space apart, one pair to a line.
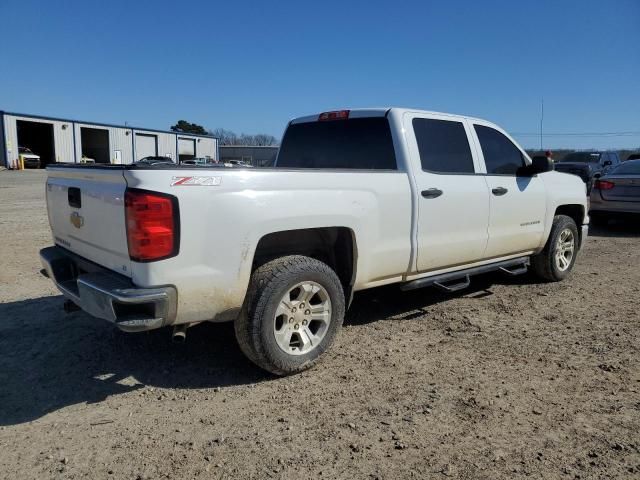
454,281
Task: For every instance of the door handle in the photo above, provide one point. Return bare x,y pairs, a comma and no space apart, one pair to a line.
499,191
431,193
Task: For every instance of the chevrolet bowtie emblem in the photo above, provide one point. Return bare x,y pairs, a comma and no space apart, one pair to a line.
76,219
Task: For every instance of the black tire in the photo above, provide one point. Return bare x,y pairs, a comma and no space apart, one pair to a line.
255,324
544,264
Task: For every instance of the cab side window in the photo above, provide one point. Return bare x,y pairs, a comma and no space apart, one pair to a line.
443,146
501,156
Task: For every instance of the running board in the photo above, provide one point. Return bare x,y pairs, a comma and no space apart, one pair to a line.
454,281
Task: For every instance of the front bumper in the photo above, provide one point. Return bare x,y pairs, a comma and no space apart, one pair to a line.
107,295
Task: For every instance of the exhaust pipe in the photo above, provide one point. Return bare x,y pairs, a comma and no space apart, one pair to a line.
70,307
179,334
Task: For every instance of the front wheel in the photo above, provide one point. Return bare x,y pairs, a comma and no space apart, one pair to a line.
556,260
294,308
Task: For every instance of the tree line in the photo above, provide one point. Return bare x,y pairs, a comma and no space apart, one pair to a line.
226,137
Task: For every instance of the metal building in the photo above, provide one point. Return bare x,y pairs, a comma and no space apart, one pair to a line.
73,141
253,155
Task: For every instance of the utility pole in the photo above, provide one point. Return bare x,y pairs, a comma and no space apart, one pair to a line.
541,119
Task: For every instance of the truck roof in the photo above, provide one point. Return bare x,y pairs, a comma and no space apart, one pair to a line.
381,112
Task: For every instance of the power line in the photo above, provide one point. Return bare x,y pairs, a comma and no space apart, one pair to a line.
578,134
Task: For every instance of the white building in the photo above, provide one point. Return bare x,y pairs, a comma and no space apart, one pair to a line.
68,141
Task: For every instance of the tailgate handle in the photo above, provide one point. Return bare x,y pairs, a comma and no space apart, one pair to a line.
73,195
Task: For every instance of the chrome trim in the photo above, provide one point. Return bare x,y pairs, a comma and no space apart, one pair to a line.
583,235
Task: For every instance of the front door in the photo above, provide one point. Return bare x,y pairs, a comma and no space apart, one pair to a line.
517,202
453,200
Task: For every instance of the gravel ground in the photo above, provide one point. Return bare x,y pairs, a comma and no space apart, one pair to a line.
509,379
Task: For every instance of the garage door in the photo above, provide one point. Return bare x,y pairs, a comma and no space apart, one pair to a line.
146,146
186,148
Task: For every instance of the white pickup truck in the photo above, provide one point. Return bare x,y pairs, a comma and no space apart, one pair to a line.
357,199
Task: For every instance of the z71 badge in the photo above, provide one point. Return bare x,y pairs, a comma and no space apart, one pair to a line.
196,181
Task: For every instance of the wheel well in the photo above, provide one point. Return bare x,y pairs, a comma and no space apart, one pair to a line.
576,212
334,246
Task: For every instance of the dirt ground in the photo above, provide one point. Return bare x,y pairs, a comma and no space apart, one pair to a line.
509,379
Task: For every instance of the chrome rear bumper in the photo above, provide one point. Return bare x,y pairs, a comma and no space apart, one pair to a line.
108,295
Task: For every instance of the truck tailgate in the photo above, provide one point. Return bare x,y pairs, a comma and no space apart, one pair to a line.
87,214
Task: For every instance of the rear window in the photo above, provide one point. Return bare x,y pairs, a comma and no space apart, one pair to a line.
357,143
630,167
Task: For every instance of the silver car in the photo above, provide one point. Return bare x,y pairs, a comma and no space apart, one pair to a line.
617,192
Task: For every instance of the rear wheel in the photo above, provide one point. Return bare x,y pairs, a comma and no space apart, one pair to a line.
556,260
294,308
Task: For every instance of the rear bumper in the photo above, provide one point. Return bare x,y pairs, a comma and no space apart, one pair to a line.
107,295
598,204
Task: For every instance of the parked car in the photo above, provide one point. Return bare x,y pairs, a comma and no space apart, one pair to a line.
202,161
357,199
237,163
587,164
27,158
156,160
617,192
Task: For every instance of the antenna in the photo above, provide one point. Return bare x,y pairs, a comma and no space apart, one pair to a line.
541,120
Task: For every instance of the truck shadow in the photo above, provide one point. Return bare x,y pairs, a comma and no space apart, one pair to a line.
50,360
388,302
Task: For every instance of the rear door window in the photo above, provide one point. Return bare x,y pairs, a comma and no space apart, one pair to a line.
443,146
357,143
501,156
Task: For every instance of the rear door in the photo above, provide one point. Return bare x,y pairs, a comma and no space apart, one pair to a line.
453,200
87,214
517,203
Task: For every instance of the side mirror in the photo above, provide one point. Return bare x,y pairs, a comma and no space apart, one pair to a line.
540,164
607,163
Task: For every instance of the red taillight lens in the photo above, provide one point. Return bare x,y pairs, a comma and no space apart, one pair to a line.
337,115
604,185
152,232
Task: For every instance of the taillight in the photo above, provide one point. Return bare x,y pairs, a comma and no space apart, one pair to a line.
604,185
337,115
152,225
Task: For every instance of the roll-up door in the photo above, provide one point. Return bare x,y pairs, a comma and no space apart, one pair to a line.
186,148
146,146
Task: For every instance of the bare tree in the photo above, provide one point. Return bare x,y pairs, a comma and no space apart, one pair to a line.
264,140
227,137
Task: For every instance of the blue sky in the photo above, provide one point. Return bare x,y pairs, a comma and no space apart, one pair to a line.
251,66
